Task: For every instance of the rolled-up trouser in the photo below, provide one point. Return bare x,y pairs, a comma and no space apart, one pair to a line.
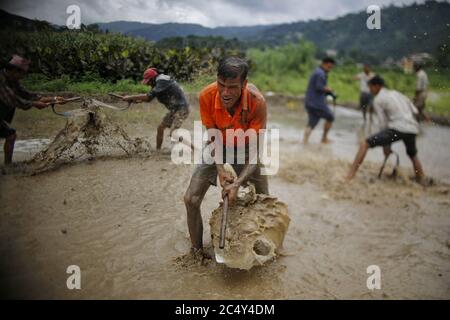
315,114
174,118
365,100
388,136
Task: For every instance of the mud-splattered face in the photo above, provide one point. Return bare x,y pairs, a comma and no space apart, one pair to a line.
230,91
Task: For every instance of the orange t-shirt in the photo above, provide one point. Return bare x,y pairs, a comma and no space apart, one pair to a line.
213,115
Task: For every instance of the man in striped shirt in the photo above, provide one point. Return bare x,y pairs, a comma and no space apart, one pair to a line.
13,96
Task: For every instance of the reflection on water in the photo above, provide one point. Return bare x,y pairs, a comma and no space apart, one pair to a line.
26,149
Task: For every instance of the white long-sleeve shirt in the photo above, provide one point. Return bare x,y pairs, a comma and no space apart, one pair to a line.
422,81
363,78
395,111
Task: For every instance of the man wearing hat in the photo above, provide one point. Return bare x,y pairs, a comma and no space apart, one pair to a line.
12,96
170,94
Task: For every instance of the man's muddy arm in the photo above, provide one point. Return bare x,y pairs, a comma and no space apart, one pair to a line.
246,173
137,98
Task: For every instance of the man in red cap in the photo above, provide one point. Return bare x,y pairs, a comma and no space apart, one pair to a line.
170,94
12,96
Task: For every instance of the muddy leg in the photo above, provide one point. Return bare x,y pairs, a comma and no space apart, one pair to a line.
306,134
160,136
8,148
326,129
418,170
193,199
358,160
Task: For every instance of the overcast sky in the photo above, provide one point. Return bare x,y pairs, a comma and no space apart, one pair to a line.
209,13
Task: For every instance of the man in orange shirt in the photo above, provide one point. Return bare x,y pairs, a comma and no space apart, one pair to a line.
230,103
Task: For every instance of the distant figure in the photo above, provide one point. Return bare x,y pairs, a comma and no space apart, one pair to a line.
315,100
365,97
169,93
396,114
421,91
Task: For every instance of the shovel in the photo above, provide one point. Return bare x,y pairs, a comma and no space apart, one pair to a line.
64,114
223,225
223,228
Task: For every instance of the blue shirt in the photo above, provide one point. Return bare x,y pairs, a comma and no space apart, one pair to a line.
315,94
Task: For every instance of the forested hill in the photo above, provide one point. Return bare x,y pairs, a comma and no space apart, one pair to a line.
414,28
404,30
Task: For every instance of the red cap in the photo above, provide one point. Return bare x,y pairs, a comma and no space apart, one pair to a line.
149,74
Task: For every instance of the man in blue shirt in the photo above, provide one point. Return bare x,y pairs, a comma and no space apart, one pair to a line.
315,100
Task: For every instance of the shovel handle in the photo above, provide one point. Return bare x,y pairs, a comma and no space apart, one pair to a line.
115,95
223,225
120,97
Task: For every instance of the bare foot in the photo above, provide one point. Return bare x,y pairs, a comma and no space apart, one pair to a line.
425,181
202,254
326,141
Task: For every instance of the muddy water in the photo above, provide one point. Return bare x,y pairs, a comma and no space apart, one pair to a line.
123,223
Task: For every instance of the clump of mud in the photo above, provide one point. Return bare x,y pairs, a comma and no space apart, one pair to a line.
255,230
88,133
195,258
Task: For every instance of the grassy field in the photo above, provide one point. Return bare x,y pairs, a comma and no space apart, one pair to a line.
341,79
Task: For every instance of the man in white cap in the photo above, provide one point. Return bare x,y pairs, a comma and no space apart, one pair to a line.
170,94
12,96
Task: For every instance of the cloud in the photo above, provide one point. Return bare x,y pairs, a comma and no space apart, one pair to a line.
210,13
